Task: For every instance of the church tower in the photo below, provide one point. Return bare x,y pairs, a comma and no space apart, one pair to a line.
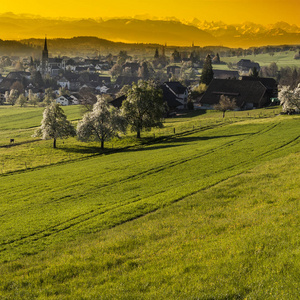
45,57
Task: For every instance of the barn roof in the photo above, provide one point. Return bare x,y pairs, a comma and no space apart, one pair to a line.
176,87
242,91
170,97
118,101
269,83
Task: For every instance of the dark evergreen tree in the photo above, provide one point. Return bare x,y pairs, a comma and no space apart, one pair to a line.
207,71
176,56
37,79
156,55
122,57
194,57
144,71
294,78
254,72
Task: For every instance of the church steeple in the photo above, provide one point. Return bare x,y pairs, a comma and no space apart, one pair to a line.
45,57
45,46
45,51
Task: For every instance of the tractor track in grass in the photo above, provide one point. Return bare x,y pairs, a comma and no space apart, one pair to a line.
161,167
88,216
151,171
55,228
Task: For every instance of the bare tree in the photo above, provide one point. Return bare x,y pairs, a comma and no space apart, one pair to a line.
88,98
18,86
225,104
116,70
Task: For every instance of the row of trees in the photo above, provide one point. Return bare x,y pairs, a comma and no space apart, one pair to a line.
143,109
14,96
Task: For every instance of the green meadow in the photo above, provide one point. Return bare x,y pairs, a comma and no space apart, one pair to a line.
282,59
204,208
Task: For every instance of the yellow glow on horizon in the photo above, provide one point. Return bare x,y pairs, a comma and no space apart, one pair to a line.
229,11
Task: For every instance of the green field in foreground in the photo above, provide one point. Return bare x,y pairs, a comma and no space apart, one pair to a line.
209,213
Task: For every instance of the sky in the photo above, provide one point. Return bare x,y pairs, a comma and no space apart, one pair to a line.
229,11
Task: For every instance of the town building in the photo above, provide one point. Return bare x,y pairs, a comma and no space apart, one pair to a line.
247,94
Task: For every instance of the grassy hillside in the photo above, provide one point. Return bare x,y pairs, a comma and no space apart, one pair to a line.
282,59
19,122
28,152
208,213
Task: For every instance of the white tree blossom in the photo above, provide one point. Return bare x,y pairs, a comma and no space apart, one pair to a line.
32,99
102,123
55,124
290,99
13,96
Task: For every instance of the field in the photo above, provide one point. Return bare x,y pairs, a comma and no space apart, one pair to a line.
282,59
204,208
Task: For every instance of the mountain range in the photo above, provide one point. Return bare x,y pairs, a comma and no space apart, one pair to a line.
132,30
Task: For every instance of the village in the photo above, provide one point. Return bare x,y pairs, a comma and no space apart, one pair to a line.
78,80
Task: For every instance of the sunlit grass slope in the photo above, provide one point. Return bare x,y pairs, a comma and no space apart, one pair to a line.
28,117
19,122
236,240
206,214
28,152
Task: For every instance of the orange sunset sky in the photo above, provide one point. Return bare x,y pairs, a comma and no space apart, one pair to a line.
229,11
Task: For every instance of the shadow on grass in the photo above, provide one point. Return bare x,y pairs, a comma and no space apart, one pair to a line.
189,113
227,297
189,139
145,144
150,147
98,151
84,150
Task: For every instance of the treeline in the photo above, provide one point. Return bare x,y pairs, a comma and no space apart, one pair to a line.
260,50
231,52
89,45
11,48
